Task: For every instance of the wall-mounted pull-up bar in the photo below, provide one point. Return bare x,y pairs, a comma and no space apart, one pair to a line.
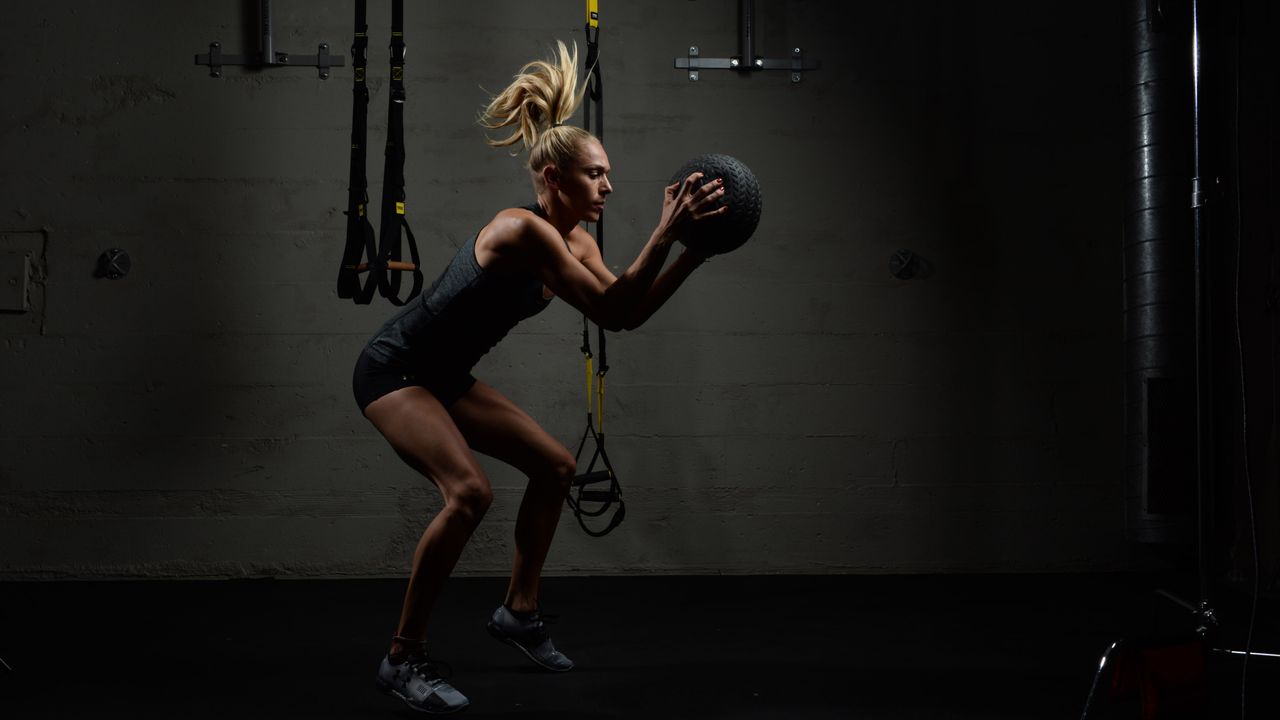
267,55
746,59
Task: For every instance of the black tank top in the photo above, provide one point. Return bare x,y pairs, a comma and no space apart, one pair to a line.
464,313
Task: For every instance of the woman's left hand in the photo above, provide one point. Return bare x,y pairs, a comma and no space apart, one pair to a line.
685,203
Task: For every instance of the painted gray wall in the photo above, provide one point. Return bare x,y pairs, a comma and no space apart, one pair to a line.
794,409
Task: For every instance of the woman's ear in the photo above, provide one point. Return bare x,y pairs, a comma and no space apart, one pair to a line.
551,176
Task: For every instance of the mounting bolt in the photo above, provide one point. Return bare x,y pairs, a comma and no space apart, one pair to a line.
693,49
904,264
795,51
759,62
795,77
733,62
693,76
113,264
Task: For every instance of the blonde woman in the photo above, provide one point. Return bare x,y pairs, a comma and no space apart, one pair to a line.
413,380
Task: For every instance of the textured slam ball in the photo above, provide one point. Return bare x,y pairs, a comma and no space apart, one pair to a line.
726,232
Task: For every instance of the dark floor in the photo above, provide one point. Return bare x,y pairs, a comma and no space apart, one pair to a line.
656,647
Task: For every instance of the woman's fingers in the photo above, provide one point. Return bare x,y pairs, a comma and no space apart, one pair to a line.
693,200
677,188
695,193
687,186
709,188
711,213
709,193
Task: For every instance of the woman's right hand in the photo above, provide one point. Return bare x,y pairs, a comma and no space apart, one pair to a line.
685,203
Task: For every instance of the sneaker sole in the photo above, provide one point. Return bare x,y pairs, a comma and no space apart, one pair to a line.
387,689
498,634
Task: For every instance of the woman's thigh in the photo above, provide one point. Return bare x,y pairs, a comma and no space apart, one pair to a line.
422,432
499,428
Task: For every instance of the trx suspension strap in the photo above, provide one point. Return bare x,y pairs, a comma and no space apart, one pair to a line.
605,498
384,263
360,240
393,217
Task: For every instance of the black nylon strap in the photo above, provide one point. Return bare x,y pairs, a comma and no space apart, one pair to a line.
595,96
393,198
360,235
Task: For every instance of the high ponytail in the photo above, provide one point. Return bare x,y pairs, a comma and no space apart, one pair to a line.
542,96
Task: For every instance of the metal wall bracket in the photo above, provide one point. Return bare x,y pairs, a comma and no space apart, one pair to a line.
746,60
267,55
322,60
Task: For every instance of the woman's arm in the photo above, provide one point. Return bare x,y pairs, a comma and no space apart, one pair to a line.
658,293
626,301
663,288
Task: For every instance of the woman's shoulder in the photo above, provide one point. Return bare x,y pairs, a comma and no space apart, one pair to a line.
516,224
509,235
522,213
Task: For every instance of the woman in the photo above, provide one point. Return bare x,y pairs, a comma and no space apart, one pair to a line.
413,379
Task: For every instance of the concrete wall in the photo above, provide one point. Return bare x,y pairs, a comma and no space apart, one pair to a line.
794,409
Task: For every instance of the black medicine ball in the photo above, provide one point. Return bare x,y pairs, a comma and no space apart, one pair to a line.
726,232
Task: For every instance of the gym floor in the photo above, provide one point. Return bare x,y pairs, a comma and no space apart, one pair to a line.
956,646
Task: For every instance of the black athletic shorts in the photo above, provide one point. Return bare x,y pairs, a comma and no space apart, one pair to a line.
374,378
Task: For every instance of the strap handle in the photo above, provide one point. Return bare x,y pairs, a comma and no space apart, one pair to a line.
607,498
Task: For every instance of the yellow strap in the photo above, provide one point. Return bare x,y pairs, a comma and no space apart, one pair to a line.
600,395
593,14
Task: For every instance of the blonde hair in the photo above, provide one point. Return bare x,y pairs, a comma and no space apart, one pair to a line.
543,95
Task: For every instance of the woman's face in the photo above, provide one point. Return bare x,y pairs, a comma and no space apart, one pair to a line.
584,184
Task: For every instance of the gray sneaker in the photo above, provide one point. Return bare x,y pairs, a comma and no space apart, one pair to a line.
529,636
417,682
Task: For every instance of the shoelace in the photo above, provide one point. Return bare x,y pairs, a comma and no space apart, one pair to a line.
537,631
430,670
536,625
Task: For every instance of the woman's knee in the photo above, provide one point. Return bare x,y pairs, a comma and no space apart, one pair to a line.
470,497
564,467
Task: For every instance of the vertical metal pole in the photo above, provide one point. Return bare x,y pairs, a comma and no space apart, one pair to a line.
264,28
1204,378
746,33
